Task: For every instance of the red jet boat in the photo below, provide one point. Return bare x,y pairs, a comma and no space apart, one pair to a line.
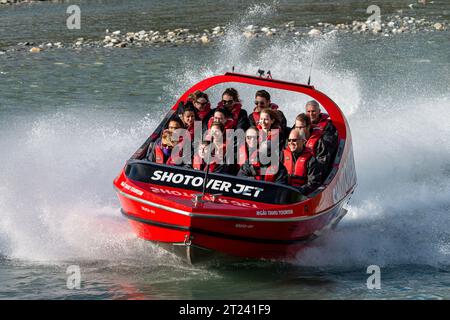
249,219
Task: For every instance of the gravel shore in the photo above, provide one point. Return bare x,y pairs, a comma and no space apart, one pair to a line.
390,26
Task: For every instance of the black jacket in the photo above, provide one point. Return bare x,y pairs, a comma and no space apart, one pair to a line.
330,138
151,150
243,122
249,171
314,180
323,154
326,149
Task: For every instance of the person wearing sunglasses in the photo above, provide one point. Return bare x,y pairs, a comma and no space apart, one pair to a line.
262,101
199,103
173,125
232,105
303,123
304,171
162,151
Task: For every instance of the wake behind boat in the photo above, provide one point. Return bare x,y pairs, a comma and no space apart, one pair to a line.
198,215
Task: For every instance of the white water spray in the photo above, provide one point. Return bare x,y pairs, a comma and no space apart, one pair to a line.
57,202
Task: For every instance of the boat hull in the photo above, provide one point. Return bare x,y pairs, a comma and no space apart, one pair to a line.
197,238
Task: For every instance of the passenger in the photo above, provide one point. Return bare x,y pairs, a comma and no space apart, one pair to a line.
222,116
231,103
202,157
314,141
303,123
218,138
174,125
249,147
305,172
322,127
264,171
262,101
171,127
188,118
269,126
161,153
202,106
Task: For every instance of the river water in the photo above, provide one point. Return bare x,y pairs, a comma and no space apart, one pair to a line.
70,118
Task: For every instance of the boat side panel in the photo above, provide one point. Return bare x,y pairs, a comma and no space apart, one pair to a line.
273,229
240,245
343,183
157,233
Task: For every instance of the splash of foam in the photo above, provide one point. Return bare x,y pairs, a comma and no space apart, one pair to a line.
57,201
400,212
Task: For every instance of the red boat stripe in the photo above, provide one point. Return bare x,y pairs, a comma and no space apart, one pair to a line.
214,216
216,234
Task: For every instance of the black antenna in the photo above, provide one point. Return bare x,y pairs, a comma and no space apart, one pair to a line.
312,62
232,69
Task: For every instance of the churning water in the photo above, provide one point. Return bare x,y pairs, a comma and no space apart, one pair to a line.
69,120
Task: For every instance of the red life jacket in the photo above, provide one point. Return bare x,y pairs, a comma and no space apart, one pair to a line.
205,112
317,131
298,171
228,124
269,173
324,119
159,154
190,129
170,162
234,113
179,147
255,114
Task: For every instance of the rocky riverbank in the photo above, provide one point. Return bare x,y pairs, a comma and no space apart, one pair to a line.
10,2
389,26
394,26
